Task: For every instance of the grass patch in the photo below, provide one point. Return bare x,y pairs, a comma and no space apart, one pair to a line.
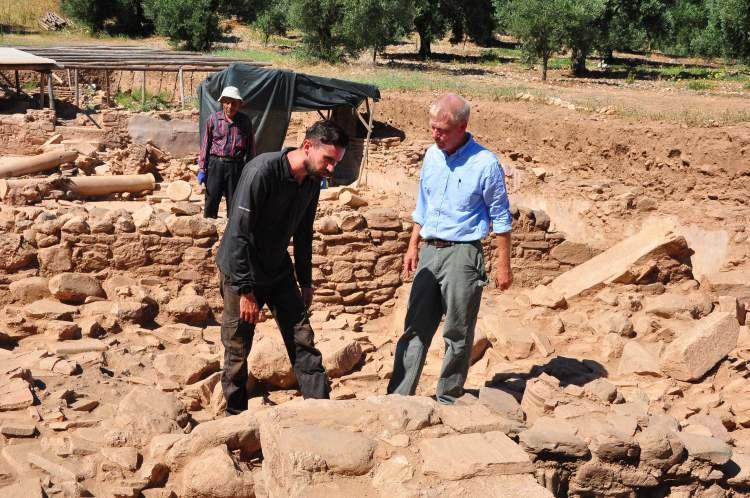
558,63
387,79
699,85
251,54
24,15
154,102
685,116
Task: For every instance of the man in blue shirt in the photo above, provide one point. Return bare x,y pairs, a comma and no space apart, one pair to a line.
461,195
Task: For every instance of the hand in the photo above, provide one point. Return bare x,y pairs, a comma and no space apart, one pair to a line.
249,309
411,258
307,296
503,278
201,176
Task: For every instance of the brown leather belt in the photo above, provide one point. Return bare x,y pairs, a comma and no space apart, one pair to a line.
439,243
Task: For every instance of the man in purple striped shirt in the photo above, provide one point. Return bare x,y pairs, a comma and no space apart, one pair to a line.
228,144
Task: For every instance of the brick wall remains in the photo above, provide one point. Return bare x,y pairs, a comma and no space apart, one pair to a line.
22,134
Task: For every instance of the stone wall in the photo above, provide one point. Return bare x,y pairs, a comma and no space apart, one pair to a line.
357,256
22,134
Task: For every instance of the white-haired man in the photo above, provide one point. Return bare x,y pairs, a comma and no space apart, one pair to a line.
461,193
228,144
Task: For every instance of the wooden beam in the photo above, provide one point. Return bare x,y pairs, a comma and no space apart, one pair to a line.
41,90
18,83
107,95
50,89
182,88
77,90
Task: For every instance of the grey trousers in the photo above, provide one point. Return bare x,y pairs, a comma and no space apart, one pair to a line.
449,281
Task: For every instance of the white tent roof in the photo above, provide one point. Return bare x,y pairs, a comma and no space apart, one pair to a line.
12,58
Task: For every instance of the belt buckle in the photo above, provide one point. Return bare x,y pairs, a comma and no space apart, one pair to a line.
440,244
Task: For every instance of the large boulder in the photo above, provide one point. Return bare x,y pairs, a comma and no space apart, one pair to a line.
572,253
215,474
74,288
196,227
146,411
383,219
193,310
47,309
695,352
668,305
185,368
55,259
269,362
553,437
340,355
15,252
29,289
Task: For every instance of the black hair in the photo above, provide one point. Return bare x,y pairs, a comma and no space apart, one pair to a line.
327,132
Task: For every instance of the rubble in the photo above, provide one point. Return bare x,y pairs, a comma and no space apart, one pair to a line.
613,367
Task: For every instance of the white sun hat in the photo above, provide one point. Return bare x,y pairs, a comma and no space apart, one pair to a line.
230,92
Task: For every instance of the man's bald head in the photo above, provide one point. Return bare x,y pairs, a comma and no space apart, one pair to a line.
451,108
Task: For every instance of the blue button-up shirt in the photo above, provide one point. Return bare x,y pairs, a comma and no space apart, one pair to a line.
460,194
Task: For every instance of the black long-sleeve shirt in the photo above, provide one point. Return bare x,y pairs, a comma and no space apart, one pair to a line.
269,208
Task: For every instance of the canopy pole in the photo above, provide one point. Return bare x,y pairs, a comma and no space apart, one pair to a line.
108,95
182,88
143,90
41,90
362,176
78,91
50,89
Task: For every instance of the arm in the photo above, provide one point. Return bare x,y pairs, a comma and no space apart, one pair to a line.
250,195
411,258
206,143
503,273
496,199
303,238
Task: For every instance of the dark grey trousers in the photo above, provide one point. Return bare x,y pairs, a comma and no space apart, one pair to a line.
449,281
285,302
222,178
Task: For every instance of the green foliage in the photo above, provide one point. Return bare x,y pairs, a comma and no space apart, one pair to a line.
131,100
193,23
124,17
335,28
580,19
247,10
711,28
631,25
318,20
272,21
373,24
430,23
469,19
539,24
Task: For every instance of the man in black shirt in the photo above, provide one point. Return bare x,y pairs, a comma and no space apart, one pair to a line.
275,201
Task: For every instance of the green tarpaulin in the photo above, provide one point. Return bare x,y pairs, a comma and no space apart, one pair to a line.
270,96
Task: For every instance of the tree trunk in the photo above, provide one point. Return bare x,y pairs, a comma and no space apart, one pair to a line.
578,62
425,39
545,60
374,55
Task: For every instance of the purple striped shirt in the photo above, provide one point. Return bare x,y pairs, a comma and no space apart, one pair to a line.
224,138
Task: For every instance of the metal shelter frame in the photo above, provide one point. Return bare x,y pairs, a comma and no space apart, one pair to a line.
108,58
